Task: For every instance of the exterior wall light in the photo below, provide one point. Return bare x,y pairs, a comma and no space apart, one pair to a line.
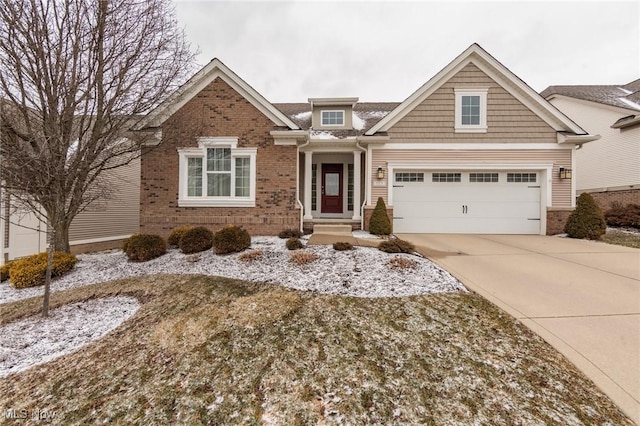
380,173
564,173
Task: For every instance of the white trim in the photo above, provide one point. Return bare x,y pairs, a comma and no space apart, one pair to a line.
205,143
471,128
573,177
99,240
357,176
208,74
502,75
308,161
344,113
472,146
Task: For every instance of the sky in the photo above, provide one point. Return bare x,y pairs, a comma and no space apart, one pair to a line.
385,50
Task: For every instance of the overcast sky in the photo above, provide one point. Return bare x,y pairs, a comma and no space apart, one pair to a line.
384,51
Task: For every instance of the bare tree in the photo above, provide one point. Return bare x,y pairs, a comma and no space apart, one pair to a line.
75,76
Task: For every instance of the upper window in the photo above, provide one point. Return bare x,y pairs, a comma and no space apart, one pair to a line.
471,110
217,173
332,118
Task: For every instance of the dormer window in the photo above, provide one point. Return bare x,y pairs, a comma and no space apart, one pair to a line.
471,110
333,118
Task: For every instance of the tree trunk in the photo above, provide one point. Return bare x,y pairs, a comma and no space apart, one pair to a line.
60,237
47,280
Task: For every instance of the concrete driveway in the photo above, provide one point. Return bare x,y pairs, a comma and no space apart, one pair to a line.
582,297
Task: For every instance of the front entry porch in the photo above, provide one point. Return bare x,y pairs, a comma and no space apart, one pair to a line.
332,186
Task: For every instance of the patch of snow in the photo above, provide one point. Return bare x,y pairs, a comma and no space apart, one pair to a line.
362,272
36,340
364,235
302,115
358,123
630,103
624,230
318,134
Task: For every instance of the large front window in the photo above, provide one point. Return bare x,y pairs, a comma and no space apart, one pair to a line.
217,174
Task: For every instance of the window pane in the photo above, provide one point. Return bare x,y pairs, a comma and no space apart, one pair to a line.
350,187
242,177
332,118
219,184
314,187
470,113
194,177
331,184
219,159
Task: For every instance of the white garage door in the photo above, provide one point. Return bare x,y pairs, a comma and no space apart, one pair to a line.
470,202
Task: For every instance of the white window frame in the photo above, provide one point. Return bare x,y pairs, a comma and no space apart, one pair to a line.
471,128
332,125
205,143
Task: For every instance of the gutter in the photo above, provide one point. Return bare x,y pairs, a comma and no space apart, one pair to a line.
298,182
626,122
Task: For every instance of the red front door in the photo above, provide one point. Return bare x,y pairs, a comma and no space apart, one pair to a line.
331,188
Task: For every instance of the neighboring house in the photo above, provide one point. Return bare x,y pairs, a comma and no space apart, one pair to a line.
103,225
609,169
474,150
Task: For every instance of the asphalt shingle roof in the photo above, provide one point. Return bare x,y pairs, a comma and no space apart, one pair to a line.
620,95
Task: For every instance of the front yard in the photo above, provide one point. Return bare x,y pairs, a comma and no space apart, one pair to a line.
287,344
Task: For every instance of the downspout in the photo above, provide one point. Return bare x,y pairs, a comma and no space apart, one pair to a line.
298,183
366,185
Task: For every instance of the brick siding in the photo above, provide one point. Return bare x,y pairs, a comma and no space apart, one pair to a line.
556,219
624,197
218,110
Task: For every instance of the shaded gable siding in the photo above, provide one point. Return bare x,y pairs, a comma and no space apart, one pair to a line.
508,120
219,111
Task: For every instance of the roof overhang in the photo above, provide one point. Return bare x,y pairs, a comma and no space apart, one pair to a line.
569,139
624,122
332,102
289,137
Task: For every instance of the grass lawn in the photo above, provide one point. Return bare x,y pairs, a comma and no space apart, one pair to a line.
622,238
208,350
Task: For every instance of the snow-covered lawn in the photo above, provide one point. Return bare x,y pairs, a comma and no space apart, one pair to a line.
362,272
36,340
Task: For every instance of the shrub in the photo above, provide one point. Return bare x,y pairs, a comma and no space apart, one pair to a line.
290,233
342,246
587,220
302,257
144,247
231,239
396,245
31,271
398,262
627,216
250,256
4,272
195,240
294,243
379,224
176,234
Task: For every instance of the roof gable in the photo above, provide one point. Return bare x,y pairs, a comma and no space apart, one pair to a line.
500,74
213,70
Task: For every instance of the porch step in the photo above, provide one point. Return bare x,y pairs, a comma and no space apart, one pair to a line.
332,229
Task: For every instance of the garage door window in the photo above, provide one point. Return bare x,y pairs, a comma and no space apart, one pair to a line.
446,177
483,177
521,177
410,177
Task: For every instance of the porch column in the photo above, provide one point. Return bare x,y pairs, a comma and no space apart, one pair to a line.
357,158
308,155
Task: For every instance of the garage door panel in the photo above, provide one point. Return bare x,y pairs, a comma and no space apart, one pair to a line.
467,207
